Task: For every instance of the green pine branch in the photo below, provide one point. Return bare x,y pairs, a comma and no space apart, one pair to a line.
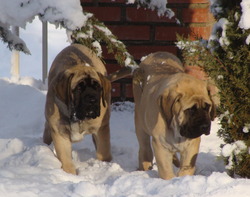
95,33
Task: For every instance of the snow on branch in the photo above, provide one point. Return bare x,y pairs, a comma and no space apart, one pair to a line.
95,33
67,13
159,5
14,42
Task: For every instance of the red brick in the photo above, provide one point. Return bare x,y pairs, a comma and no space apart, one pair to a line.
112,67
139,51
145,15
131,32
169,33
115,90
203,32
129,91
196,15
103,13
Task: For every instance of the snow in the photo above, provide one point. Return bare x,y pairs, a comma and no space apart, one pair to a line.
230,150
216,8
19,12
244,21
159,5
222,26
246,128
28,167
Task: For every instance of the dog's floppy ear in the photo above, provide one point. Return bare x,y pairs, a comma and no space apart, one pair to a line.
213,95
106,88
63,87
213,107
166,102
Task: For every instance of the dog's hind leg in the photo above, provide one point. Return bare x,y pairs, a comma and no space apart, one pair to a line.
47,139
145,155
145,151
94,140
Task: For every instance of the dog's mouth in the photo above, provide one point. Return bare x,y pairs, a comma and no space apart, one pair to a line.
88,112
195,131
92,112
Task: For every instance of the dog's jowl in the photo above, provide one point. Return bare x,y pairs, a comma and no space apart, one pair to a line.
77,103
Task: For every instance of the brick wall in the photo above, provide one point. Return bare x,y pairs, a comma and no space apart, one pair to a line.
143,32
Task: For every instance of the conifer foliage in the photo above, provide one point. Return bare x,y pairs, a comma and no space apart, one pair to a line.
95,33
226,59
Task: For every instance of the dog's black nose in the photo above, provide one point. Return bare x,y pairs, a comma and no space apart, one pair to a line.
91,98
205,128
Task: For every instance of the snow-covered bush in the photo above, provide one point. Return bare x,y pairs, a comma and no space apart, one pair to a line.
225,57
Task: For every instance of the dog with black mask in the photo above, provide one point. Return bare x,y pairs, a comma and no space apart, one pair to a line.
77,103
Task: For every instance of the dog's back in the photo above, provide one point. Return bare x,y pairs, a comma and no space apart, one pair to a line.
154,67
161,63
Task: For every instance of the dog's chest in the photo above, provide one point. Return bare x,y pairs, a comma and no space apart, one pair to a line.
79,130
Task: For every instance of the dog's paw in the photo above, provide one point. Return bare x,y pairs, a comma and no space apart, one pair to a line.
69,168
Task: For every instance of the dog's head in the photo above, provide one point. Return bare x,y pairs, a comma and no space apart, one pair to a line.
188,108
83,92
86,98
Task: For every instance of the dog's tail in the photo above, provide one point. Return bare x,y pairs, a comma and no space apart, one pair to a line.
123,72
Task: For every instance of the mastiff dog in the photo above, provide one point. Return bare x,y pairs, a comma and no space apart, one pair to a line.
174,109
77,103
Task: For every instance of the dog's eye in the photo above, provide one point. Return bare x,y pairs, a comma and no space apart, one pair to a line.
80,87
95,85
206,107
77,89
192,110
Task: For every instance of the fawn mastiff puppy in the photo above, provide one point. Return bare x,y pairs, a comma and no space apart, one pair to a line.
173,108
78,103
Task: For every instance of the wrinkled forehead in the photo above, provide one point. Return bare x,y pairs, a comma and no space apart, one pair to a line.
198,100
194,92
82,76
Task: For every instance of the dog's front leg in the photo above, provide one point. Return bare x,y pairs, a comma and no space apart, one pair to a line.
102,143
63,149
188,157
164,160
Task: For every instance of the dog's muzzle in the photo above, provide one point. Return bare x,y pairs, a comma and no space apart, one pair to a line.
196,131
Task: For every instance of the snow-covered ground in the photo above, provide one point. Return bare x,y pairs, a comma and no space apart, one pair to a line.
28,168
